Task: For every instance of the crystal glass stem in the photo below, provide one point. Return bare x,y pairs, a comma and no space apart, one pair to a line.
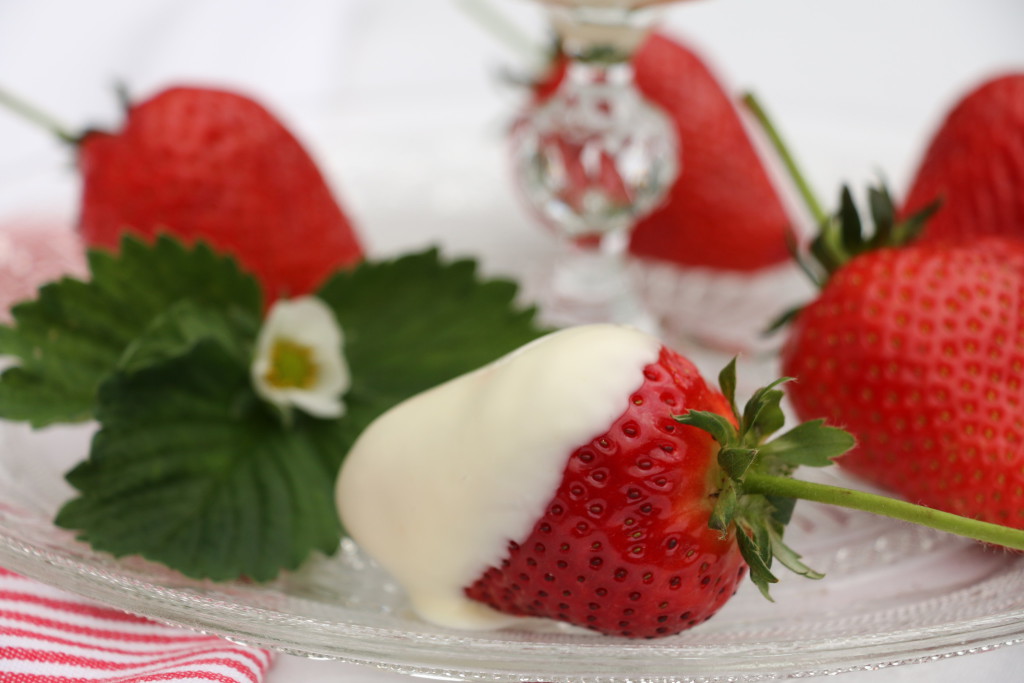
591,284
591,160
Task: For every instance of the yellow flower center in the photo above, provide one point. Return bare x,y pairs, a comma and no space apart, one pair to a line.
291,366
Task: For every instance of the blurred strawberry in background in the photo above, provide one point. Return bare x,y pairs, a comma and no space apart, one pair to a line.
974,165
217,166
723,211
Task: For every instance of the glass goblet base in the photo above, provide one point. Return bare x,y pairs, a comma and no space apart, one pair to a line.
591,285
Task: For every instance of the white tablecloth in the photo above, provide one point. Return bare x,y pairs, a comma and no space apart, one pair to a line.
399,98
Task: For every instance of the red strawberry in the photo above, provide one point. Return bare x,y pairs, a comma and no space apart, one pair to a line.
975,165
625,539
216,166
723,211
919,351
483,492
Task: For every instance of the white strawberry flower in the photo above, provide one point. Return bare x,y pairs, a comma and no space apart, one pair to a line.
299,361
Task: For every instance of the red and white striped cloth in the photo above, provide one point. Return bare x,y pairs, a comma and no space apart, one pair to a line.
50,636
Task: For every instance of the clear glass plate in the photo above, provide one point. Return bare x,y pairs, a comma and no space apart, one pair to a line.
893,594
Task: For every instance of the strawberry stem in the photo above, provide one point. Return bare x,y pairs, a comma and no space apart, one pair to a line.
26,110
782,149
499,26
785,487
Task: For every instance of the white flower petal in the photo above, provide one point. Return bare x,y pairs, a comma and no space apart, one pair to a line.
334,375
308,323
316,404
306,320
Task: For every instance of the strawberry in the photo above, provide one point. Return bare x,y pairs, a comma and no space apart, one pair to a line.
723,211
216,166
918,350
591,477
624,545
974,165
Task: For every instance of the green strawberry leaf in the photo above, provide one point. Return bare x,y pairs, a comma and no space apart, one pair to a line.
883,214
851,230
727,383
736,460
748,459
781,509
789,558
190,469
415,322
911,227
724,512
182,326
762,415
811,443
758,555
843,236
718,426
757,498
65,342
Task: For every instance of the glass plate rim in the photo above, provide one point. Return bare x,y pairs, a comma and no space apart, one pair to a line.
392,649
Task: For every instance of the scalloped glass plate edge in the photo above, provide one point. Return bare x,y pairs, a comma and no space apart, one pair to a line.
484,657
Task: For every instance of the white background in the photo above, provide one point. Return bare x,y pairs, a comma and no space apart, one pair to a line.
400,101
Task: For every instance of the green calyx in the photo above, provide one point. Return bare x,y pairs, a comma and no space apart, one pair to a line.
745,451
758,492
843,235
37,116
33,114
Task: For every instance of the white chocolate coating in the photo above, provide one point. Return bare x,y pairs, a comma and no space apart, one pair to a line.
436,488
